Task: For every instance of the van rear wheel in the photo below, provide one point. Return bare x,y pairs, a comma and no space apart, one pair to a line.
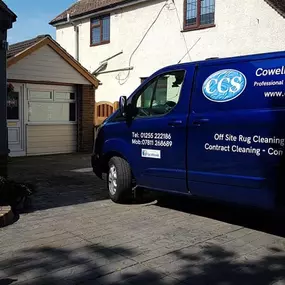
119,180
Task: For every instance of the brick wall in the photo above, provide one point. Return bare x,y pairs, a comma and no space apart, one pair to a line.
86,104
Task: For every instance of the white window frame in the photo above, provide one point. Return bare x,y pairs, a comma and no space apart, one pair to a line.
52,100
31,99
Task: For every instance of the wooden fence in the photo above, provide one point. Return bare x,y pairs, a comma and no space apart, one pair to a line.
103,110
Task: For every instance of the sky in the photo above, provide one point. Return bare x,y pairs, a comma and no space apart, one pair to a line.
33,17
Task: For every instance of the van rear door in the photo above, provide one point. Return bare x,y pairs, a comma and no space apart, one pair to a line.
236,130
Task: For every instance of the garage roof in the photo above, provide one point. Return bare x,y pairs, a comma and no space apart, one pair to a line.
20,50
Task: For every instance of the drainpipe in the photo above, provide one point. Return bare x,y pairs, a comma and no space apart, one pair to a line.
76,30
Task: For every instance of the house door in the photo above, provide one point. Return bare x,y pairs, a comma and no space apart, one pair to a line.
15,121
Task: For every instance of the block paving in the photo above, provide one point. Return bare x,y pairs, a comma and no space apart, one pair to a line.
75,235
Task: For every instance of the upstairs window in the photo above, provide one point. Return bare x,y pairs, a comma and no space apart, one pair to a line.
199,14
100,30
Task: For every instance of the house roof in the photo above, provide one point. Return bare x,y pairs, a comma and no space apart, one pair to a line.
4,7
20,50
85,7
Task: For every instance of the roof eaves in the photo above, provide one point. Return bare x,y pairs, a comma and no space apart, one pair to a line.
25,52
16,48
276,7
107,8
9,11
102,9
66,12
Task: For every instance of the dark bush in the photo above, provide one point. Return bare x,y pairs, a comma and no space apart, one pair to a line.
15,194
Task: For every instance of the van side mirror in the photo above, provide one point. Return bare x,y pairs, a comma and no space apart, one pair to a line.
122,105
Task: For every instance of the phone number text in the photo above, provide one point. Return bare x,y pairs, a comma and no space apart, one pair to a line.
148,142
156,136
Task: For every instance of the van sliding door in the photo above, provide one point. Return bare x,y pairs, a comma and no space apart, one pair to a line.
236,131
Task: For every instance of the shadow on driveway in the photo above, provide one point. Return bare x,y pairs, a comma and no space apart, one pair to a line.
94,264
61,180
253,218
64,180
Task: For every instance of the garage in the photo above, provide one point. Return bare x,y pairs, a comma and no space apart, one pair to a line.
50,101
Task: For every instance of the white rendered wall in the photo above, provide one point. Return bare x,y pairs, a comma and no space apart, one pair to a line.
246,27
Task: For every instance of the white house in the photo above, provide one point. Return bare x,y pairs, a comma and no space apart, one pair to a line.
145,35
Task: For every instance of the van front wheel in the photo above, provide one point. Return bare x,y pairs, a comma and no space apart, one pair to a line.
119,179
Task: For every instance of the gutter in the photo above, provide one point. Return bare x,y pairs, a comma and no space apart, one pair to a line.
6,9
276,8
98,12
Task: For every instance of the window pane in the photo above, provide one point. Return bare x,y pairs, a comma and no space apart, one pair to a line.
106,28
167,92
207,12
95,22
160,92
145,99
162,95
72,96
40,95
174,84
191,12
96,35
13,106
72,112
52,112
61,96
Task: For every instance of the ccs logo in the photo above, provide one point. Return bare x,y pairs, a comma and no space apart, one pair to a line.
224,85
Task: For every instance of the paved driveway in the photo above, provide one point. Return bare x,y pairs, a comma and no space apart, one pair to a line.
76,235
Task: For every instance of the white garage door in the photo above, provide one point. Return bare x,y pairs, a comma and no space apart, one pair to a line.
52,119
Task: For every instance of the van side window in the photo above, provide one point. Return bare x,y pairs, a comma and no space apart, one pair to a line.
161,95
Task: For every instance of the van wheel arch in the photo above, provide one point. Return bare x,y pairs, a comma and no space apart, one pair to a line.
108,156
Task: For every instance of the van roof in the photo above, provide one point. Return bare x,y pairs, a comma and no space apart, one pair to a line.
250,57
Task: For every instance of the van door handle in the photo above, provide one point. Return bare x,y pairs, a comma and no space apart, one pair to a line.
175,123
199,122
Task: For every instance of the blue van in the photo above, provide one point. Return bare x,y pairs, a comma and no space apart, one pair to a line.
212,129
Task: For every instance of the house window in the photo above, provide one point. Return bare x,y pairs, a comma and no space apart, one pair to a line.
13,106
199,14
100,30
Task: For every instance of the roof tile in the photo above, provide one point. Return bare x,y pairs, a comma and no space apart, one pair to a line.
83,7
21,46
